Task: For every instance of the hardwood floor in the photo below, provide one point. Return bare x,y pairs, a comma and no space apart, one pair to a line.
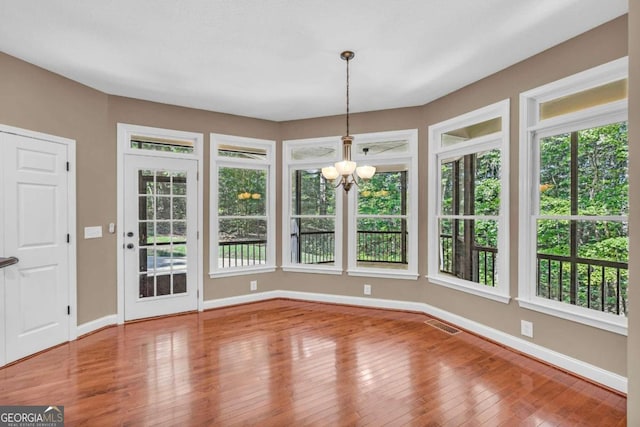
286,363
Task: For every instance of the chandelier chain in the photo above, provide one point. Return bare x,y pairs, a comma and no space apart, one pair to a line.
348,96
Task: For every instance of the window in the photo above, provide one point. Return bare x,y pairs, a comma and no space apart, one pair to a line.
574,161
383,210
242,205
468,202
312,210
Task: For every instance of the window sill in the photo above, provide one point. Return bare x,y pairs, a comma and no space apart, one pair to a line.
310,269
241,271
474,290
387,274
596,319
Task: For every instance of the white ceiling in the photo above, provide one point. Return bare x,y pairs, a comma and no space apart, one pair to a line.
279,59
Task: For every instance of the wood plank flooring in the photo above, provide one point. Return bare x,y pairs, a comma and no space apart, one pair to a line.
294,363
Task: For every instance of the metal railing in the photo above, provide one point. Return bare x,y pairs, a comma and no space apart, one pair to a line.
591,283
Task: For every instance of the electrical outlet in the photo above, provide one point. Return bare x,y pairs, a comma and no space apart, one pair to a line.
367,289
526,328
254,285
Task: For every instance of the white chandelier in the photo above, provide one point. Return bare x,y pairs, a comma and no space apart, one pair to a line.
345,169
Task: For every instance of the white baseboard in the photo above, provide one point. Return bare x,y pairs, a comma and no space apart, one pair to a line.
94,325
578,367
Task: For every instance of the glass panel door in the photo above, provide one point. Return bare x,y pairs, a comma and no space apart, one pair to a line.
160,236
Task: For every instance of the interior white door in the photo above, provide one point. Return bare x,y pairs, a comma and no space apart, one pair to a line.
35,230
160,232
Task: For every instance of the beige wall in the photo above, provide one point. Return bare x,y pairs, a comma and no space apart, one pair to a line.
633,343
45,102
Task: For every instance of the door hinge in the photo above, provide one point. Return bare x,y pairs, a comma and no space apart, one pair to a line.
69,310
197,235
67,166
198,176
68,238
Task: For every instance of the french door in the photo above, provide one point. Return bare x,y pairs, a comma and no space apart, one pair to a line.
160,236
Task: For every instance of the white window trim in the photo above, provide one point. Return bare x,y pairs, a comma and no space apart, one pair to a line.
409,158
288,165
498,140
531,129
269,165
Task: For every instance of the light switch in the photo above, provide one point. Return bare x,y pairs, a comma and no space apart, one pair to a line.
93,232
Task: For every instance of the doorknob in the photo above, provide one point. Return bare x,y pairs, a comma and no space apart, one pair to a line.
130,245
6,262
130,234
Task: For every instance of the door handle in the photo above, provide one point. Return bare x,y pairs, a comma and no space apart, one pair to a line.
130,246
6,262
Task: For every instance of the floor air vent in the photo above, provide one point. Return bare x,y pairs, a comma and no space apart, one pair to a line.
442,326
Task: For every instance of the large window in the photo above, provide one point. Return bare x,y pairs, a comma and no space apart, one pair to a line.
574,157
242,205
468,202
383,210
312,227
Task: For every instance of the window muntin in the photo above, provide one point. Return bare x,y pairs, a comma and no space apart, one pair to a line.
242,205
312,210
574,168
468,217
383,210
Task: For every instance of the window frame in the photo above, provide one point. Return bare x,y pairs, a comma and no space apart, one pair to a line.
288,166
532,129
437,152
216,161
410,159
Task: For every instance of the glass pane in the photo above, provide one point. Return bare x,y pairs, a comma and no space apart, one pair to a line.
179,232
486,190
164,284
146,183
312,240
179,258
382,148
594,274
179,183
180,208
468,249
462,195
384,194
147,286
143,254
475,130
242,191
180,283
145,233
242,242
163,145
163,182
146,207
603,180
313,152
383,242
163,232
238,152
312,194
600,164
163,207
610,92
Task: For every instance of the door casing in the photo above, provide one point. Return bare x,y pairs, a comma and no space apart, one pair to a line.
124,134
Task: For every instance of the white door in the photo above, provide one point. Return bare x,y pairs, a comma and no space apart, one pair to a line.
34,229
160,232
